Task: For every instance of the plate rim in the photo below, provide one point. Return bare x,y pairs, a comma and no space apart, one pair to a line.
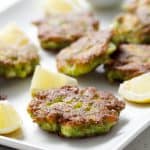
14,143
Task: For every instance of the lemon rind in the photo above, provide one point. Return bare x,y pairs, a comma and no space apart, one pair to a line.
130,95
11,128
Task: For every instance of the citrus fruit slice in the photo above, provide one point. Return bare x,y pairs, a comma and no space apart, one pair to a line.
65,6
13,35
44,79
137,89
9,118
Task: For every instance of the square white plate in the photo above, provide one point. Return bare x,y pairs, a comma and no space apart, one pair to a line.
133,120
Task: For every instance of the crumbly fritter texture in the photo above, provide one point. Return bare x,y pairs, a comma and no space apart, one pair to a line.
143,13
73,112
133,28
133,5
18,61
86,54
129,61
58,31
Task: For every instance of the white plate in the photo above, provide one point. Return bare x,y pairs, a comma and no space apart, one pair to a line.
5,4
133,120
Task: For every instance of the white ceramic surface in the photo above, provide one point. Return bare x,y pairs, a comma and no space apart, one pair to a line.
4,4
133,120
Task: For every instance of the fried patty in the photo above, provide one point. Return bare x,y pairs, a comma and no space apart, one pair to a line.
133,5
60,30
18,61
133,28
129,61
86,54
74,112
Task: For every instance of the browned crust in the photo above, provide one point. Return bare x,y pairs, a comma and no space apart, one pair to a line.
131,60
142,10
140,20
66,27
86,49
104,107
10,56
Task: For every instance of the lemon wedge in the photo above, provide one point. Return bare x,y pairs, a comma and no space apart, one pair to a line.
44,79
9,119
137,89
13,35
65,6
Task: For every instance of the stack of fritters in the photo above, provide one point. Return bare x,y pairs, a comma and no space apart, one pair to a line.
128,61
84,46
86,54
131,33
60,30
73,112
95,48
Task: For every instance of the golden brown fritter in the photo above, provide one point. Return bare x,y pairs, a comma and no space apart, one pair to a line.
74,112
60,30
18,62
133,28
86,54
129,61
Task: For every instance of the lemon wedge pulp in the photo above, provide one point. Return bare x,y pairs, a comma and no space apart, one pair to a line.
13,35
65,6
137,89
9,118
44,79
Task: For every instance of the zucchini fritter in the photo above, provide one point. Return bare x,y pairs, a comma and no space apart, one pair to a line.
133,28
129,61
18,57
73,112
18,62
86,54
60,30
